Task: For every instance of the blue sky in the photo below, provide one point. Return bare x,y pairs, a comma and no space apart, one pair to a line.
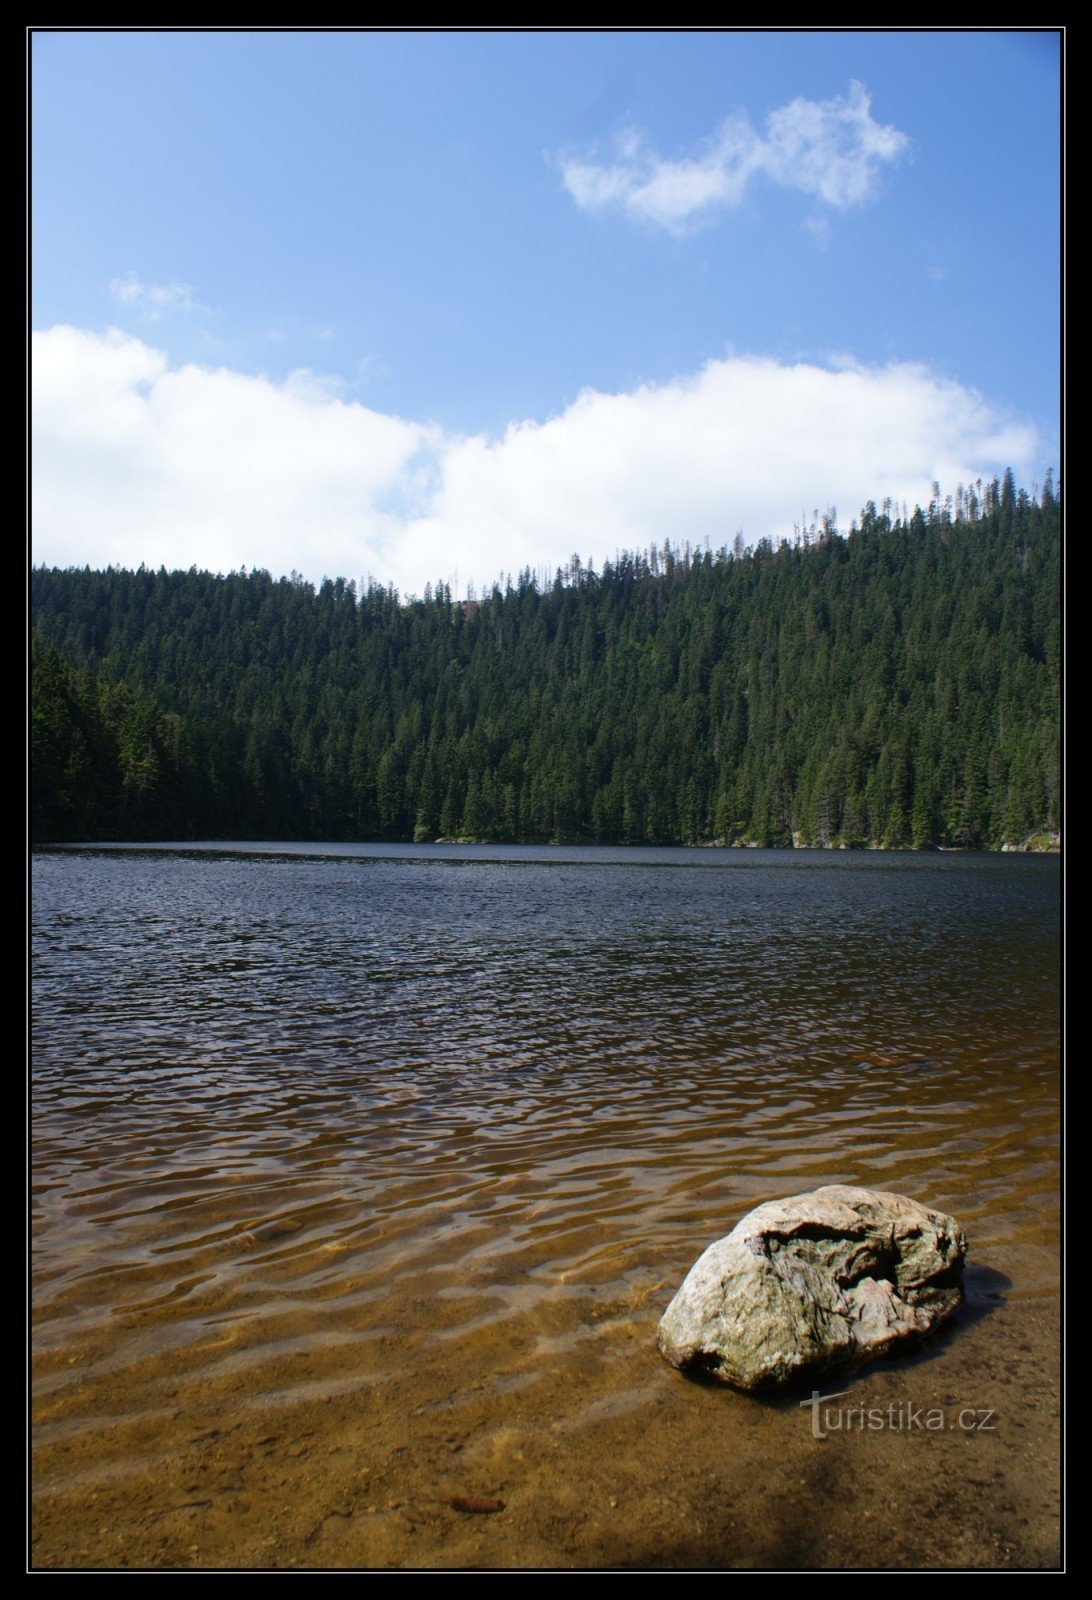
412,304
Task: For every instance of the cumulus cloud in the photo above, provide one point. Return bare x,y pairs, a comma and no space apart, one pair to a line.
831,149
744,443
136,461
154,301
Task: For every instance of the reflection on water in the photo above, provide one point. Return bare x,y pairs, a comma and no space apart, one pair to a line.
308,1120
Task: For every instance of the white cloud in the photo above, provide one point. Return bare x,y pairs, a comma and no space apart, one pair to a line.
154,301
831,149
136,461
302,383
744,443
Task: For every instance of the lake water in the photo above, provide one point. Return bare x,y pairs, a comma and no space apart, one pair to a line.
362,1175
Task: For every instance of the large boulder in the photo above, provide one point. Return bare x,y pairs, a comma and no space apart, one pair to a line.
830,1279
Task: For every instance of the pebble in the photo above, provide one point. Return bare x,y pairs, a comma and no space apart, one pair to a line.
476,1505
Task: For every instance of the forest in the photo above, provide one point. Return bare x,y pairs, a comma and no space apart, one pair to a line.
896,685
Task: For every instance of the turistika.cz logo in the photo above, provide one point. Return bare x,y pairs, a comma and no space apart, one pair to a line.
898,1416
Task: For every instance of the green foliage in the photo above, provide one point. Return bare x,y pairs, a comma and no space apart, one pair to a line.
106,761
898,686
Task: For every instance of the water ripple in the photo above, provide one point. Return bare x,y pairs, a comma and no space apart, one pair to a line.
288,1103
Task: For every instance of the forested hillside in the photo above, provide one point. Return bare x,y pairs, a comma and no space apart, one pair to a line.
895,686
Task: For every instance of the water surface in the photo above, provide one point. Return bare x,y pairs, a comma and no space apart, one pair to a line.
363,1174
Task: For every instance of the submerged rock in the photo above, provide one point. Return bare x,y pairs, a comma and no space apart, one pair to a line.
832,1278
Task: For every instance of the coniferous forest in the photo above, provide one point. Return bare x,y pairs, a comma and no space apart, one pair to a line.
894,686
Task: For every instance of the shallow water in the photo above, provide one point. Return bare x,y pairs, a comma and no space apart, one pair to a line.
362,1175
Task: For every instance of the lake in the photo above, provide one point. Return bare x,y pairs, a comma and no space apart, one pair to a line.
363,1173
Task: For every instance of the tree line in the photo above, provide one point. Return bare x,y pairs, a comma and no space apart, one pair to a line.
896,686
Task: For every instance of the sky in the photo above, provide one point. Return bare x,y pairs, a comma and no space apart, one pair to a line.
438,306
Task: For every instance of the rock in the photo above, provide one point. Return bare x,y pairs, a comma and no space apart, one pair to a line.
833,1278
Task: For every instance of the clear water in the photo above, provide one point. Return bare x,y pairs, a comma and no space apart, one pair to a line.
363,1136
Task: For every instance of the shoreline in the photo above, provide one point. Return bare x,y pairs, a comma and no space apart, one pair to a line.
1027,847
